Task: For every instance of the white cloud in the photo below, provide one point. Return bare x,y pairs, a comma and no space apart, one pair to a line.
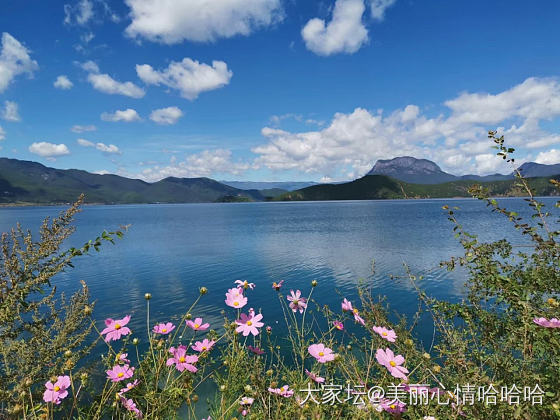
126,115
49,150
457,140
106,84
2,134
80,14
89,66
63,82
173,21
83,128
102,147
189,77
345,33
14,60
378,8
203,164
166,116
549,157
10,112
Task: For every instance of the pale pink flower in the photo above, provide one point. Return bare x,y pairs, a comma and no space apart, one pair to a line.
58,391
120,373
385,333
277,286
255,350
197,324
547,323
235,298
284,391
297,303
116,328
248,324
338,325
346,305
245,284
394,407
321,353
164,328
122,358
131,406
357,317
181,360
246,401
314,377
129,386
393,363
204,345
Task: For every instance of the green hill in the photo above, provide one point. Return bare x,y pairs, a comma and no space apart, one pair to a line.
374,187
30,182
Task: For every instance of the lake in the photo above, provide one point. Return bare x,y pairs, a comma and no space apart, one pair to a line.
172,250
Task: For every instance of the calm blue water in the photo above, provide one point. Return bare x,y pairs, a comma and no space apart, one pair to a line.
172,250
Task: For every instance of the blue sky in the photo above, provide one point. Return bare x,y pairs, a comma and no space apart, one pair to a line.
276,89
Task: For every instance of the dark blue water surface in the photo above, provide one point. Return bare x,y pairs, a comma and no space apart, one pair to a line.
172,250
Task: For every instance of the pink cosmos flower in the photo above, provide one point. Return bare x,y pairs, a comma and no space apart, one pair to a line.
245,284
256,350
131,406
129,386
393,363
338,325
58,391
122,358
321,353
543,322
204,345
357,317
346,305
120,373
297,303
277,286
385,333
197,324
249,324
314,377
284,391
164,328
246,401
235,298
394,407
181,360
116,328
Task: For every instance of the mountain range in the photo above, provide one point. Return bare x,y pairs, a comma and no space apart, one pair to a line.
404,177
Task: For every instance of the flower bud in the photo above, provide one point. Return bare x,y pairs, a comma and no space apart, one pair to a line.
188,316
437,369
314,283
148,296
68,353
269,372
117,396
83,376
195,398
203,290
427,356
409,342
269,329
28,382
222,388
135,341
349,347
248,388
87,310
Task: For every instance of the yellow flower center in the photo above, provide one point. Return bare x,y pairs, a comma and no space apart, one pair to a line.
57,388
321,354
120,374
384,334
249,323
164,330
236,303
117,326
355,310
393,406
182,359
392,363
203,348
196,326
129,386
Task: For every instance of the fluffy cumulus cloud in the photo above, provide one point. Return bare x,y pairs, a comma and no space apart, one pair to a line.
204,164
10,112
345,33
83,12
166,116
456,140
49,150
14,60
106,84
549,157
189,77
102,147
83,128
63,82
173,21
126,115
378,8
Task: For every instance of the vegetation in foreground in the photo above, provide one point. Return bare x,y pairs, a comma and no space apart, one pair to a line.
497,353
